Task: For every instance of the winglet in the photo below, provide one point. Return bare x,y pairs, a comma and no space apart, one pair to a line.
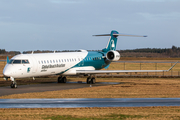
173,66
7,59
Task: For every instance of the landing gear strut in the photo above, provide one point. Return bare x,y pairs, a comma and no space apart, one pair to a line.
62,79
91,80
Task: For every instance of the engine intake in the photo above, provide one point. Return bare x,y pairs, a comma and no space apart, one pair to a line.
113,56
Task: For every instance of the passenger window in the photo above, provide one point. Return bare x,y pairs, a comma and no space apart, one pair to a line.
47,61
44,61
25,62
50,61
59,60
53,61
67,60
62,60
56,61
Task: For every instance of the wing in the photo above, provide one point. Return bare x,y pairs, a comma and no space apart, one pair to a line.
119,71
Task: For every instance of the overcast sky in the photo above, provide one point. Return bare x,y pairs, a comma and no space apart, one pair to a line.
70,24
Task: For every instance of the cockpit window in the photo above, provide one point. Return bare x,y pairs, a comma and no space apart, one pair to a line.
12,61
17,62
25,62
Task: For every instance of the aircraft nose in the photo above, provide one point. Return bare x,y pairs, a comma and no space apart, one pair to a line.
6,73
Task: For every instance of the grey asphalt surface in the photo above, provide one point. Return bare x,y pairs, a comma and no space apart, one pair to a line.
88,102
43,87
7,90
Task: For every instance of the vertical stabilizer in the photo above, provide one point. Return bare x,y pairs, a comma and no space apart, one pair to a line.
7,59
112,42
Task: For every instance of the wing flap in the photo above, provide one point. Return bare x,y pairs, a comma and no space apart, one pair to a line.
119,71
114,71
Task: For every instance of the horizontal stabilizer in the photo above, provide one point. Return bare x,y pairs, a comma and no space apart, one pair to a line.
122,35
129,35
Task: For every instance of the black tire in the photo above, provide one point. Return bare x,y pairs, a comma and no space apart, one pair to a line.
12,85
88,81
64,80
59,79
93,81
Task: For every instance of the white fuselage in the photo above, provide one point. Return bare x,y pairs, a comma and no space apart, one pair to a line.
44,64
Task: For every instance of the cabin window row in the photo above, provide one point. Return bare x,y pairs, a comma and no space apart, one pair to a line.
58,61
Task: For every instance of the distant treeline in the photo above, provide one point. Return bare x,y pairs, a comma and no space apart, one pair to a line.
143,52
152,52
4,52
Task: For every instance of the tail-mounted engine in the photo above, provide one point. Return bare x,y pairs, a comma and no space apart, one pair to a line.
113,55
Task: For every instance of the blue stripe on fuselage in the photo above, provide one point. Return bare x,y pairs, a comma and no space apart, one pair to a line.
95,59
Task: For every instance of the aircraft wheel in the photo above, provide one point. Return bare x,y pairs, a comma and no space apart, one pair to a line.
59,79
64,80
93,80
13,85
88,80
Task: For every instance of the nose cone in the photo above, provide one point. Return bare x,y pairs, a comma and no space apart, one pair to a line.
6,72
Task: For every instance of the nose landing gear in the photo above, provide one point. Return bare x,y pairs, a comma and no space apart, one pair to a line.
14,83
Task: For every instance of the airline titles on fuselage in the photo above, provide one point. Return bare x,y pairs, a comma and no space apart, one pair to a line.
53,66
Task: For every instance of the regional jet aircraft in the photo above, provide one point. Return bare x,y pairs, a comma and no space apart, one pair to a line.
67,63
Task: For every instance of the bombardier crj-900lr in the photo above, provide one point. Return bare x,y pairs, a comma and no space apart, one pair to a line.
67,63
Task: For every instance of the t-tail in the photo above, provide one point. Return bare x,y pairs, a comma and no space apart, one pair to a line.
111,46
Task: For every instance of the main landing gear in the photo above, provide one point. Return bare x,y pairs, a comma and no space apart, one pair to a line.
91,80
62,79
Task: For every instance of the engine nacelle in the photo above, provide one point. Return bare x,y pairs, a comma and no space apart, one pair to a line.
113,55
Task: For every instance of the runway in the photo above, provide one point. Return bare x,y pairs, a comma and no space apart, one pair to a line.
88,102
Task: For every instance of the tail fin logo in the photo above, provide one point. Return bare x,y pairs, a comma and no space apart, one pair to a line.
112,45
